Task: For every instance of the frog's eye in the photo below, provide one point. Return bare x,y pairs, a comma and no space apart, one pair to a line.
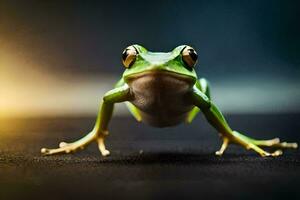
189,56
129,56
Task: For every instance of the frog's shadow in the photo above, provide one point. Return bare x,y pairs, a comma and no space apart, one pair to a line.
176,158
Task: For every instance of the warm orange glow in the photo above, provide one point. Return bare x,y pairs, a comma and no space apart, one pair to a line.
27,90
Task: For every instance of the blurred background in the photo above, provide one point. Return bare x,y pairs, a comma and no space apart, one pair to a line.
58,58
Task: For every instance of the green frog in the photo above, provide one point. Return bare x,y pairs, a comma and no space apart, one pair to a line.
162,89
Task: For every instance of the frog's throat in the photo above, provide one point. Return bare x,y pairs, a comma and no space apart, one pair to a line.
186,78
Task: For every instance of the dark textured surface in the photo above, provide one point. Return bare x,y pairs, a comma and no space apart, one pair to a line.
146,163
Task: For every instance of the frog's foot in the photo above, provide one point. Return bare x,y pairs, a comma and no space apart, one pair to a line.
71,147
253,144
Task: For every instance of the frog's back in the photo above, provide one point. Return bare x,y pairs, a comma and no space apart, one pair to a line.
161,98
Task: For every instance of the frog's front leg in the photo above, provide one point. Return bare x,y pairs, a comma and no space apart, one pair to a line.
99,131
217,120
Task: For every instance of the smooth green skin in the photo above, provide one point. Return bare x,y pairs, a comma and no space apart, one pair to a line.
199,97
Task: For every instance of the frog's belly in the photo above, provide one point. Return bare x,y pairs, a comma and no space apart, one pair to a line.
162,99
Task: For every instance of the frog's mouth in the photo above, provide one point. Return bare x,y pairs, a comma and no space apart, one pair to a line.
160,74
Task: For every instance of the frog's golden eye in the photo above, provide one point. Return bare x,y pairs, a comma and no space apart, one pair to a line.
189,56
129,56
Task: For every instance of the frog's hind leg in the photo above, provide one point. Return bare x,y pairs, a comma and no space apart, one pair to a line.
203,85
134,111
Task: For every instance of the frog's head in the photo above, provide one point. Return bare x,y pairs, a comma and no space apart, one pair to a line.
178,63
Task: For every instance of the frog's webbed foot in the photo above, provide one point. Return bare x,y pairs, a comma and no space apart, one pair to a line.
253,144
79,145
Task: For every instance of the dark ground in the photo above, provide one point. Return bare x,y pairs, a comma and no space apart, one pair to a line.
175,162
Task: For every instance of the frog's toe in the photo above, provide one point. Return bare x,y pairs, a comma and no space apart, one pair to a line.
274,154
293,145
62,144
219,153
45,151
101,146
64,148
105,152
277,153
71,147
223,147
276,143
